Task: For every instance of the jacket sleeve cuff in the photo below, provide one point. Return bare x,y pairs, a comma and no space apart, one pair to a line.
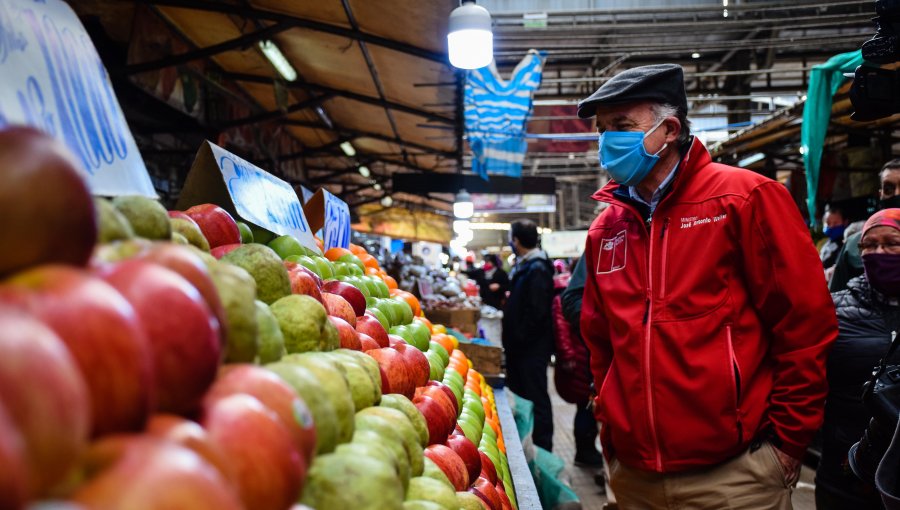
795,450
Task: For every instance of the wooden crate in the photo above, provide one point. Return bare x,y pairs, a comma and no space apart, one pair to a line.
486,359
461,319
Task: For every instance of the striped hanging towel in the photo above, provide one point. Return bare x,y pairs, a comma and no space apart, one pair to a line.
496,113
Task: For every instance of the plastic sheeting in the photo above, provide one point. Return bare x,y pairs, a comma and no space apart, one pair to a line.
824,81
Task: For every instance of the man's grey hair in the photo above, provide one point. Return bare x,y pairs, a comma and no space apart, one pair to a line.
661,111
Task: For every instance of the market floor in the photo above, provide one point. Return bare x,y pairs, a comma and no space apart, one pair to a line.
582,479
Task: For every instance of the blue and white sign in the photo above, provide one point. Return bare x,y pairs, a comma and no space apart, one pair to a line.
261,198
337,222
51,78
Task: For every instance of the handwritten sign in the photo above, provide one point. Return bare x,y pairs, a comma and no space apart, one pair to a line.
246,191
53,80
332,215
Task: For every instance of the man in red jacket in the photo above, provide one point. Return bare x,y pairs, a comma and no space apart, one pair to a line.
705,310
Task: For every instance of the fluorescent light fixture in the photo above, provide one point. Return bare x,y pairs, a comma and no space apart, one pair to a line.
463,208
460,226
724,3
695,55
376,186
724,13
387,201
348,149
364,171
470,43
278,60
749,160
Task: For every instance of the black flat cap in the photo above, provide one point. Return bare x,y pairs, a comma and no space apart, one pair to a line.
660,83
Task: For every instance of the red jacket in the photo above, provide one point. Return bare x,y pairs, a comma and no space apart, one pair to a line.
571,375
710,325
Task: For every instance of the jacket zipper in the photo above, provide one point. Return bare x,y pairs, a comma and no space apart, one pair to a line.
736,381
664,258
647,328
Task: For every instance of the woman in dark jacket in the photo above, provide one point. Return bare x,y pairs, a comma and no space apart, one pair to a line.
868,311
496,282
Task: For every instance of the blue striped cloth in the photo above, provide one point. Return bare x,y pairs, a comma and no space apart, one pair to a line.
496,112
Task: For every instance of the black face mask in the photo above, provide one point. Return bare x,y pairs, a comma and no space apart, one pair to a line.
889,203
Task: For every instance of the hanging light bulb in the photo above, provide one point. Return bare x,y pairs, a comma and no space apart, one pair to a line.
364,171
463,207
470,43
387,201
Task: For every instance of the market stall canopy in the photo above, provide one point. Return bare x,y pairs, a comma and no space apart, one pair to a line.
369,77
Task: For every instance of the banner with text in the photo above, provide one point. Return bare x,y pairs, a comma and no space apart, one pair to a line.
53,80
330,214
247,191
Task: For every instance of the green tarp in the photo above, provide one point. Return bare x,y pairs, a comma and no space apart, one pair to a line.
824,81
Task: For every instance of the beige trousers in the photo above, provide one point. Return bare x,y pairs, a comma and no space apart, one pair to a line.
751,481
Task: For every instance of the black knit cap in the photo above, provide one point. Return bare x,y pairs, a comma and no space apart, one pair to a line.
659,83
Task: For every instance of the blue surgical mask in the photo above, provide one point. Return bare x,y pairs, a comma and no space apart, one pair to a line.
834,233
623,155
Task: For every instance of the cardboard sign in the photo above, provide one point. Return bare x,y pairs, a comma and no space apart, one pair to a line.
564,243
331,214
246,191
54,80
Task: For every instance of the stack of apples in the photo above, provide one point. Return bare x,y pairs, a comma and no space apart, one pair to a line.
182,359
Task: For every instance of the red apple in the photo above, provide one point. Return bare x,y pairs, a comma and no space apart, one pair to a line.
275,394
291,266
450,463
369,325
505,503
487,468
443,394
189,434
183,215
143,473
183,334
304,281
415,360
45,396
353,295
468,452
47,209
483,488
102,332
220,251
349,336
396,371
13,457
367,343
339,307
218,227
437,418
264,464
186,263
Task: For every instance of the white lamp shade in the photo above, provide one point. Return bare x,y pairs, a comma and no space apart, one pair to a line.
470,48
463,210
470,43
460,226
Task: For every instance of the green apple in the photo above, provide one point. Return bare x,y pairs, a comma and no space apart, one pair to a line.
437,348
382,287
405,312
353,259
404,333
422,334
261,235
285,246
382,318
326,269
470,431
246,233
487,430
436,366
387,308
340,269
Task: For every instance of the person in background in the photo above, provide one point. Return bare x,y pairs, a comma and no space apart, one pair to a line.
834,224
573,372
528,327
705,310
495,282
867,313
849,263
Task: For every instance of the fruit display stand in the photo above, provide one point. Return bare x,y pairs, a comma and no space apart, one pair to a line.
523,482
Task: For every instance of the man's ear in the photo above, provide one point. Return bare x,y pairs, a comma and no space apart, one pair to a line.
673,129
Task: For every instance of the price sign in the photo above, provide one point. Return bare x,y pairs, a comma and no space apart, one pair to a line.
246,190
332,215
53,80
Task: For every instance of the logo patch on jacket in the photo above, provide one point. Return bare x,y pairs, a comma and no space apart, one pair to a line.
613,251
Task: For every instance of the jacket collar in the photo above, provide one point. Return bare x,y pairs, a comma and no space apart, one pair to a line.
697,157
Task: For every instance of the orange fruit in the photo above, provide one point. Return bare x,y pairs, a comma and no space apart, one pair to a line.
369,261
371,271
390,281
459,367
336,253
444,341
473,385
357,250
